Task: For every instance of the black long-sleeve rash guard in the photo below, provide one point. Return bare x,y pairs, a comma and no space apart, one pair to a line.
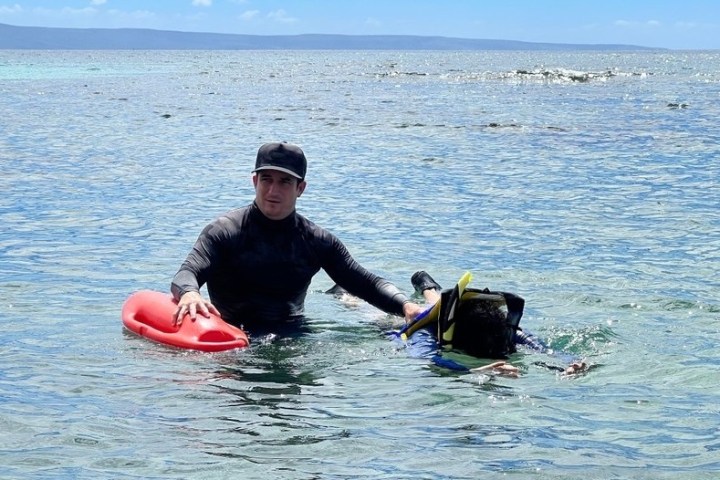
258,270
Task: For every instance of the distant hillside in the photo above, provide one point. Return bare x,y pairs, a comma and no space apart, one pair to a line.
42,38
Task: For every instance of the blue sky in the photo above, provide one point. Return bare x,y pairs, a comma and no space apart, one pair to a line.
678,24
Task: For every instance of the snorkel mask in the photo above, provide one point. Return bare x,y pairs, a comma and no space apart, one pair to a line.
480,322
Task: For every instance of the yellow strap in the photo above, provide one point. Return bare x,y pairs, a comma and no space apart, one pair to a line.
432,316
461,285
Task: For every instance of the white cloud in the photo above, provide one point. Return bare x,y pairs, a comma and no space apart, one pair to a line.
65,12
95,14
249,15
134,15
636,24
373,22
281,16
202,3
4,9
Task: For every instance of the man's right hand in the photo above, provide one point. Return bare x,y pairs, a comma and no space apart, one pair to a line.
191,303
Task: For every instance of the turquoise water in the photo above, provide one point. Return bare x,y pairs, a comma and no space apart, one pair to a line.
587,183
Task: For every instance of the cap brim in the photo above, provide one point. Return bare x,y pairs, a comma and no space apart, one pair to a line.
279,169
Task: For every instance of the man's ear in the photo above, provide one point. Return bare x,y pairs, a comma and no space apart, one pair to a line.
255,180
301,187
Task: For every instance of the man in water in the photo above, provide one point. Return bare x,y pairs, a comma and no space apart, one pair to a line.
258,261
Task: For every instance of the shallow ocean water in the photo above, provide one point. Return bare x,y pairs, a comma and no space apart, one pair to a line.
584,182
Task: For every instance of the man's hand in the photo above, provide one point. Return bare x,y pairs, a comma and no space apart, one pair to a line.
191,303
411,310
500,368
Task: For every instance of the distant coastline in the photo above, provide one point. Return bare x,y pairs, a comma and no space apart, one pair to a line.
47,38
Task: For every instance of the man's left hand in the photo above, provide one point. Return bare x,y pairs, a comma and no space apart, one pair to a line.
411,310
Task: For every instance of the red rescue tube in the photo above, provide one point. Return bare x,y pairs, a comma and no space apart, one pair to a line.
150,314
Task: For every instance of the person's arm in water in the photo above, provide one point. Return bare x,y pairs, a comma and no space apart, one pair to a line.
360,282
192,274
533,343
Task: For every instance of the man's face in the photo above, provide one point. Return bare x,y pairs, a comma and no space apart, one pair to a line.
276,193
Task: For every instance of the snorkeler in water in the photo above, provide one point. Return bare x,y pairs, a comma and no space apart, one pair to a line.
477,323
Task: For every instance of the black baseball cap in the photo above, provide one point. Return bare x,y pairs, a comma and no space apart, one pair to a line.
282,156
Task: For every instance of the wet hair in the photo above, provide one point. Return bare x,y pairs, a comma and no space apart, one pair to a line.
482,329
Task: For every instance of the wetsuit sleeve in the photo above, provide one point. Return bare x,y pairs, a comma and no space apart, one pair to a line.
449,364
530,341
353,277
193,272
422,344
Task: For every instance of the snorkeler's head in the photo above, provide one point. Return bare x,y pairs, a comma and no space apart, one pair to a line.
482,329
